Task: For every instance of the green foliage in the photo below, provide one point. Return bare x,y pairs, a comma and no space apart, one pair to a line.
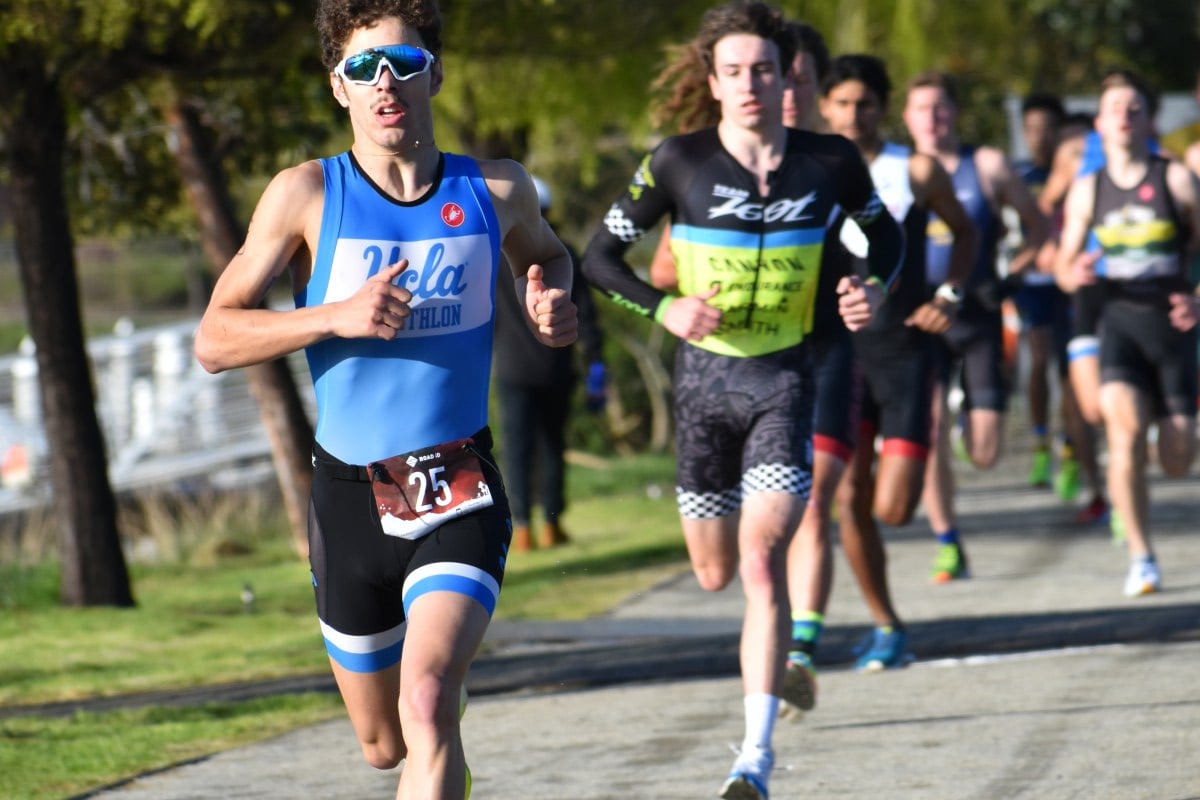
560,84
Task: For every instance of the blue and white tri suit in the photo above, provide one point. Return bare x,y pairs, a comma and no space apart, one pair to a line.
377,399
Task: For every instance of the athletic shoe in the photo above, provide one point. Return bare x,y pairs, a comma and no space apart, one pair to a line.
1143,578
950,564
1095,511
1066,482
748,778
799,691
888,649
1039,472
1117,527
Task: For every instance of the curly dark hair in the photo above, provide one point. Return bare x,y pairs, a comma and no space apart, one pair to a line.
689,104
337,19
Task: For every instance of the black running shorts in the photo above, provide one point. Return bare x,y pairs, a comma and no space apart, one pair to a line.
365,580
1138,345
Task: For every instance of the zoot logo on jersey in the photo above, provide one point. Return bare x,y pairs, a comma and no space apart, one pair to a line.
782,210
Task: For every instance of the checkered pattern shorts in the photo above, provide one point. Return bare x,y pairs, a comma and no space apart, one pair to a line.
743,425
762,478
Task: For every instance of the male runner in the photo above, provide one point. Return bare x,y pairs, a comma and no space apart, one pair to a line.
810,561
1145,213
984,182
894,353
393,248
1081,386
749,202
1041,305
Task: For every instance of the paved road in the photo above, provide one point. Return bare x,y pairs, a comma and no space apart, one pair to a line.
1034,679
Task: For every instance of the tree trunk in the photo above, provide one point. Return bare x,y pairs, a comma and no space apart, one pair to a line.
93,566
288,428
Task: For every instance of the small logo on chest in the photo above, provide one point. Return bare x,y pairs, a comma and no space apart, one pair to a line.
453,215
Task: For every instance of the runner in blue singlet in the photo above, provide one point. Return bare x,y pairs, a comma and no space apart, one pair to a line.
985,182
393,247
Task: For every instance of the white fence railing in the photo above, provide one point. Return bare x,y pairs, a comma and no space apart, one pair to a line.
164,419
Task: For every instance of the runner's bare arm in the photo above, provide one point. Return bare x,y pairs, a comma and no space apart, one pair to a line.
1071,265
540,263
236,331
1010,190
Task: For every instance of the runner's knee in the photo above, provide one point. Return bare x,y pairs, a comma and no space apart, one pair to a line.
383,751
428,704
894,510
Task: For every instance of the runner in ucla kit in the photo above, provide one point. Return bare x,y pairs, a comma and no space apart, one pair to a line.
749,203
449,238
393,249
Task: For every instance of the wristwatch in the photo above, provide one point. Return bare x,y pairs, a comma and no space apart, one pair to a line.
950,293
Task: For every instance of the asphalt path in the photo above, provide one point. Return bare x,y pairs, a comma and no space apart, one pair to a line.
1036,678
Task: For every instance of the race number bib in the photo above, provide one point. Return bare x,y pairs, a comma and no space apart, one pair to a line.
417,492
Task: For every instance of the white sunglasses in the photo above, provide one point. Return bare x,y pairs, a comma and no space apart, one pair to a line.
404,60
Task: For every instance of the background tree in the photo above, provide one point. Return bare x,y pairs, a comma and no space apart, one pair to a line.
56,57
160,153
561,84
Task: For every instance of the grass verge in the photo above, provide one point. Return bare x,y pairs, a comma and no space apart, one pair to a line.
191,628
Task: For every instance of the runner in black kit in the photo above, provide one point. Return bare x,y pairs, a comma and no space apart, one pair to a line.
894,353
1145,213
835,411
749,202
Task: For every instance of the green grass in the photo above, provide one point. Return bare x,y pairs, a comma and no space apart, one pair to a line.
55,758
190,629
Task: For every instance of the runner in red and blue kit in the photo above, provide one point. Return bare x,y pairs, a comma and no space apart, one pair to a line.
894,352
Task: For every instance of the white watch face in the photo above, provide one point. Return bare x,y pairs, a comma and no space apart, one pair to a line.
951,293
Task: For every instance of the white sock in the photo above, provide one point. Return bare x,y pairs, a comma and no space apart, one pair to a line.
761,711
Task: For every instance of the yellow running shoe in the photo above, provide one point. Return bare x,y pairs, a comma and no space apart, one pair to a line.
950,564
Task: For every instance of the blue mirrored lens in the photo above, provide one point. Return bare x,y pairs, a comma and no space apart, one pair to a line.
404,61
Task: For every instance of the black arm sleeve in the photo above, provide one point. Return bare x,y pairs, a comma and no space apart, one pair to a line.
591,339
885,256
636,212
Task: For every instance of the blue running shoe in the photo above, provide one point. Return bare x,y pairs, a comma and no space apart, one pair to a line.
888,650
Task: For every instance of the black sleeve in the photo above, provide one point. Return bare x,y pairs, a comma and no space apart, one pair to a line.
644,203
885,256
591,338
